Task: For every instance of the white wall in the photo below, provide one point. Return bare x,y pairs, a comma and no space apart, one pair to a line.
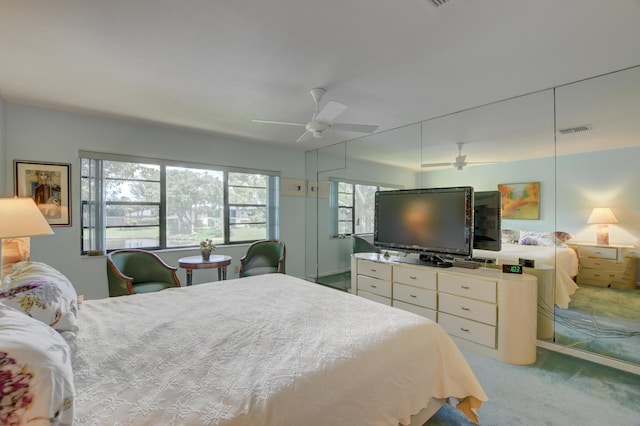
39,134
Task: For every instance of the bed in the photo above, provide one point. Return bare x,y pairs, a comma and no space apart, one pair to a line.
263,350
563,259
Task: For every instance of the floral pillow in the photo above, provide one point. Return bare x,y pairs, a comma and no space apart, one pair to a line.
35,371
42,292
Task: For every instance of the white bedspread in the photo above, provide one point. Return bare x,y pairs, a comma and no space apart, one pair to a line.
563,259
264,350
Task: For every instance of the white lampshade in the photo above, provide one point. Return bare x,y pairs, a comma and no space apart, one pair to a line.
602,215
20,217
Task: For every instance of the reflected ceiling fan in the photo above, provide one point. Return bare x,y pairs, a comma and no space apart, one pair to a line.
322,119
460,162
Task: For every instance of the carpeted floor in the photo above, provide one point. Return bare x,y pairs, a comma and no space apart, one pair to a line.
602,320
340,281
557,390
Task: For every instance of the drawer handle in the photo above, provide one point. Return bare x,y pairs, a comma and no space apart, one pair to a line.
466,330
413,295
413,278
465,287
373,270
596,275
373,286
464,309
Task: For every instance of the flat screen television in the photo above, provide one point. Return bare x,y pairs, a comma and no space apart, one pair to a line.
487,218
430,221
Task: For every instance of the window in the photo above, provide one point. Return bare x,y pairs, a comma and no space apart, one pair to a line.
153,204
354,207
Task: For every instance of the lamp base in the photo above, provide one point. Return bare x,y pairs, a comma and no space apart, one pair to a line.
14,250
602,235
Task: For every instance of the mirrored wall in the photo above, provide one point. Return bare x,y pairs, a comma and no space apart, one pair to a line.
579,142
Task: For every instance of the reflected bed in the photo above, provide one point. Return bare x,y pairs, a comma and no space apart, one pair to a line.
563,259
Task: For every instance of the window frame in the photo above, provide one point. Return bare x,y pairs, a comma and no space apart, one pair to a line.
335,206
271,205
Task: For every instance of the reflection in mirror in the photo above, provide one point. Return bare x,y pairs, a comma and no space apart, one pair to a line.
515,142
386,160
598,149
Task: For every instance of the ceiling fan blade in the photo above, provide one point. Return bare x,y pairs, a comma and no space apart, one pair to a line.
482,162
350,127
279,122
436,164
330,111
305,136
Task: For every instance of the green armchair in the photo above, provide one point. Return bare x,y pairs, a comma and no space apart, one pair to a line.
134,271
264,257
360,245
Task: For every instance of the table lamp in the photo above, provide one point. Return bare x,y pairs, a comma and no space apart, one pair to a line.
602,216
20,219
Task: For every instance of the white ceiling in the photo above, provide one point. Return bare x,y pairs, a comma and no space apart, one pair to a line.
213,65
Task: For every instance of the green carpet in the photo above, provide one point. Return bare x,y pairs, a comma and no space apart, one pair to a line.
557,390
602,320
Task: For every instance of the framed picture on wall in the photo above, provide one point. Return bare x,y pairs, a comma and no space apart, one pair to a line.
520,200
48,184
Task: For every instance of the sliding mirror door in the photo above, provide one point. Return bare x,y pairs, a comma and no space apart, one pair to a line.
598,150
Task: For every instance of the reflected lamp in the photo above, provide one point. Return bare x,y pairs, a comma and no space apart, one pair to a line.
602,217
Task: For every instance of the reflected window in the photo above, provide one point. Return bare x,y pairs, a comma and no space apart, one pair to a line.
353,207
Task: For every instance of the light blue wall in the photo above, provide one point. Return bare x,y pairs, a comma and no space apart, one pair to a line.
39,134
487,178
600,179
5,172
570,187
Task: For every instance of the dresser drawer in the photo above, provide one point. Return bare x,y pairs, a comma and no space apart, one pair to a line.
418,310
375,297
601,252
467,287
599,276
415,295
416,277
482,334
468,308
596,262
374,285
376,270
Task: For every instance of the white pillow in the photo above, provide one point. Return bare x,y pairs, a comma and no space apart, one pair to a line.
35,366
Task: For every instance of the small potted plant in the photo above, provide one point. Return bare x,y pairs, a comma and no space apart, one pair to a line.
206,247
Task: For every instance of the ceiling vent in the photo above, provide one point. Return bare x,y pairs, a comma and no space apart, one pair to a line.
576,129
441,4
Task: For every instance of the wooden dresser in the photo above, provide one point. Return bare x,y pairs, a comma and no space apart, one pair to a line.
482,309
607,266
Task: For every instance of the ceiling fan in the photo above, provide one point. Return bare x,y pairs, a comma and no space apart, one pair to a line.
460,162
323,119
